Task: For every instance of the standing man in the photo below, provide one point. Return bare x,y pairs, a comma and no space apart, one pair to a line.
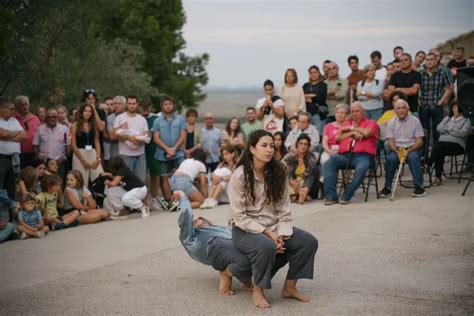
11,134
132,141
407,81
119,108
404,132
458,62
397,52
252,123
30,123
337,89
419,59
380,71
211,139
435,92
169,134
355,76
52,141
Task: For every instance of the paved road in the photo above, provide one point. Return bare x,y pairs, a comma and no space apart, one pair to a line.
411,256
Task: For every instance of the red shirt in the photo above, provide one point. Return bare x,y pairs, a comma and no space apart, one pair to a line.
366,145
30,124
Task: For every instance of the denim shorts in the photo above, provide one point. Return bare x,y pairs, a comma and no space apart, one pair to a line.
166,167
182,183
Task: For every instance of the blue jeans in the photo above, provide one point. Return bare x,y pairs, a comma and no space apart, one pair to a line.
6,231
360,162
414,163
436,115
374,114
137,164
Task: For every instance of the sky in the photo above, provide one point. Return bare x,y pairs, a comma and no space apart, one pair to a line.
250,41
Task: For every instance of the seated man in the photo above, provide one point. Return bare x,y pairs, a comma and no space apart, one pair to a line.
212,245
304,126
405,135
361,134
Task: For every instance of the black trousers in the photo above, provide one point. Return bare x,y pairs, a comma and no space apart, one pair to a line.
261,250
222,254
440,151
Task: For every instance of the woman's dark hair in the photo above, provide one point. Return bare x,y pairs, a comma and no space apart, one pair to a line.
315,68
192,112
268,82
303,136
275,175
400,95
237,130
199,154
87,92
230,149
80,119
50,180
460,110
282,149
117,165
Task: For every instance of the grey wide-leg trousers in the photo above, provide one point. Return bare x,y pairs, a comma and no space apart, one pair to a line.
223,254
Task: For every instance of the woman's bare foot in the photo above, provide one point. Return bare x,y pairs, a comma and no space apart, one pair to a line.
259,299
248,287
225,286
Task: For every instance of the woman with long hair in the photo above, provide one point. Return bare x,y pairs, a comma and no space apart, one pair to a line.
279,145
85,144
292,94
233,133
262,222
315,91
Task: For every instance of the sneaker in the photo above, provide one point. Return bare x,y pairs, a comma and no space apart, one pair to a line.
59,226
75,223
165,205
330,202
212,203
204,204
419,192
145,211
40,234
155,205
173,206
343,202
437,182
122,214
24,236
385,193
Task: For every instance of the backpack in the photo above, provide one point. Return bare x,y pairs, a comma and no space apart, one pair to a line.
97,189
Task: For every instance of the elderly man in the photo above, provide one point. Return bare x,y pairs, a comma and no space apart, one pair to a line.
30,123
361,134
337,88
211,139
11,134
51,141
304,126
405,136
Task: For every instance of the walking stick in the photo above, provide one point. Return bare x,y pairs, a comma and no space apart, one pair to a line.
351,149
401,157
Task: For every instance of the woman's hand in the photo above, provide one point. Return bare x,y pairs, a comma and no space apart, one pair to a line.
95,164
277,239
85,164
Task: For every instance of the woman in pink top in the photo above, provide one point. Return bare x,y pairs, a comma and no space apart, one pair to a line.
330,146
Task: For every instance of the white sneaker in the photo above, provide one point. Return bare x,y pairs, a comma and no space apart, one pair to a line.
40,234
145,211
212,203
24,236
204,204
155,205
173,206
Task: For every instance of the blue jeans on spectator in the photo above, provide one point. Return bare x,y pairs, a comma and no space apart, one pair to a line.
374,114
435,115
360,162
414,163
6,231
136,164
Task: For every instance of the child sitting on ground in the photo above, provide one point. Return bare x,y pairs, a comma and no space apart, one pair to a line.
48,201
183,178
30,221
124,190
52,166
78,197
221,176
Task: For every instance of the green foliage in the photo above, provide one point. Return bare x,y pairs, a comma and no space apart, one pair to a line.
52,50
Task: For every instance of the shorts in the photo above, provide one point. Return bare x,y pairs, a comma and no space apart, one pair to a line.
166,167
182,183
153,166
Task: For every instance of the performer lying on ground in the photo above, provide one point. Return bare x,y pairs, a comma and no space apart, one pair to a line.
212,245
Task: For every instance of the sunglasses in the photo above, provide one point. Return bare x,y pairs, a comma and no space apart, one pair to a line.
89,91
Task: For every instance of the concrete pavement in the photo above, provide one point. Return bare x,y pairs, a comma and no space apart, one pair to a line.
411,256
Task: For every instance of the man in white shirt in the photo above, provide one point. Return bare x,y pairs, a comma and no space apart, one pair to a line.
380,70
132,142
11,135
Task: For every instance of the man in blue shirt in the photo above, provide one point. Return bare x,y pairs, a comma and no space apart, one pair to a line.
212,245
211,139
169,134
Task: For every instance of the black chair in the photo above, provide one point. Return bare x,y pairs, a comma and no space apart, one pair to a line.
471,166
370,175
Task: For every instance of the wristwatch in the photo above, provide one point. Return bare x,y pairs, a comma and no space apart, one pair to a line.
363,92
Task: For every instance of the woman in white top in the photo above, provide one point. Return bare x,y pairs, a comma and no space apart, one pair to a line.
369,92
188,170
292,94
